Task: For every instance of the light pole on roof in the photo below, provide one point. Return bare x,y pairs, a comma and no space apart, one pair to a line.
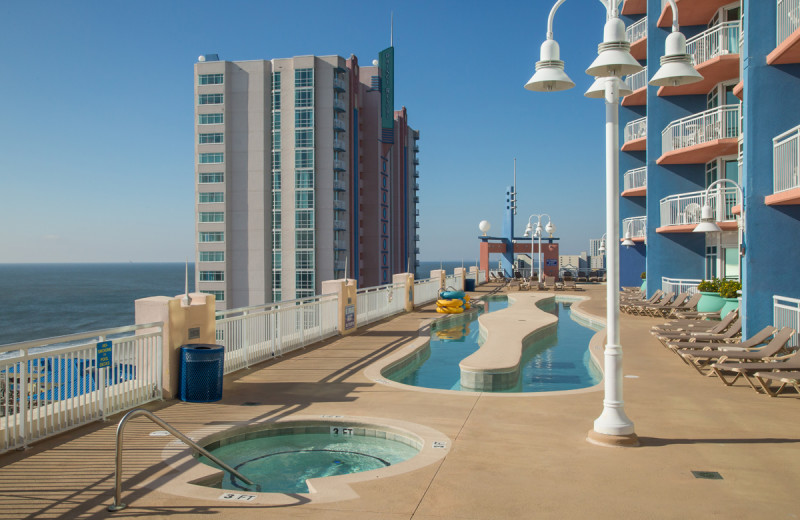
537,233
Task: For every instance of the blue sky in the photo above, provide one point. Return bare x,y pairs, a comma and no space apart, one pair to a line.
97,131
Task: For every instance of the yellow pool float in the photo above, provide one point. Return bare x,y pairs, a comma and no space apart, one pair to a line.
449,303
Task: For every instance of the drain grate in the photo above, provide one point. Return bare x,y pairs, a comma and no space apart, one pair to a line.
712,475
250,403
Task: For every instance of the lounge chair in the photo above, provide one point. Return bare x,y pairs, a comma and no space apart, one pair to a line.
549,282
753,365
666,310
679,327
644,308
653,299
785,378
748,350
701,339
687,306
569,283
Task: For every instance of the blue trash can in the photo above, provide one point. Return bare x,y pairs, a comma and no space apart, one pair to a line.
469,284
201,372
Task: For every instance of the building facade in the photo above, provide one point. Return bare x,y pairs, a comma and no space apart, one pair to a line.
736,124
304,173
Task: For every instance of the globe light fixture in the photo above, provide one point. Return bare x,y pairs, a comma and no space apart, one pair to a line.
484,226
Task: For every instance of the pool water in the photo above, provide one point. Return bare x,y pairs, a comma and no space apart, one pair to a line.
282,463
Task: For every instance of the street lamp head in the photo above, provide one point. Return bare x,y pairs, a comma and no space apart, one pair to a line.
598,88
550,228
602,248
549,75
538,231
484,226
528,229
677,67
707,224
613,55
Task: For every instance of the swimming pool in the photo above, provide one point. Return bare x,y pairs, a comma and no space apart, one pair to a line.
557,361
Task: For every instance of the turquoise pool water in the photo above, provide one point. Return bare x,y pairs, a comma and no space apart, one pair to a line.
560,361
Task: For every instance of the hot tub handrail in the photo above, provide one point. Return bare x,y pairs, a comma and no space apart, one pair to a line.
118,505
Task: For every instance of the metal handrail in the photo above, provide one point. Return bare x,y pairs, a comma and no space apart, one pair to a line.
118,505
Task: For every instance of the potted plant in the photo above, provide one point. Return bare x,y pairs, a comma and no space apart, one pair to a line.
729,292
711,300
644,282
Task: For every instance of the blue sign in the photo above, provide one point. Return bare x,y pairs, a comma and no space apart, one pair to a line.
104,354
349,317
551,262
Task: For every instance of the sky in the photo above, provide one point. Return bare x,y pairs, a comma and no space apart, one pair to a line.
96,161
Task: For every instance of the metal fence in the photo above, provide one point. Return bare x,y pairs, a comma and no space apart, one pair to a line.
788,19
481,277
426,290
375,303
786,313
52,385
637,30
716,41
786,160
679,285
636,178
717,123
636,129
637,226
637,80
685,208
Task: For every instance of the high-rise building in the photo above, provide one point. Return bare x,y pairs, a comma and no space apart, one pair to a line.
304,173
594,246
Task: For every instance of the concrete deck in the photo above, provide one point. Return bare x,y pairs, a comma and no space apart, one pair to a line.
523,456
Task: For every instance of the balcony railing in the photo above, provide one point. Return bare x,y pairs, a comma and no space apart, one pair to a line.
416,161
416,238
339,224
636,178
636,129
416,186
339,164
786,313
786,160
788,19
636,31
338,104
340,205
416,225
339,265
717,123
338,144
679,285
340,244
717,41
637,226
416,174
416,148
683,209
338,84
637,81
338,125
339,185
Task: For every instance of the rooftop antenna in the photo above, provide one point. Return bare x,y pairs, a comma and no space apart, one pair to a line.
186,301
346,258
391,30
515,185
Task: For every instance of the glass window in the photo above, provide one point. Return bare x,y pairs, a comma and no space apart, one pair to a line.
304,158
304,97
276,120
304,259
711,172
212,158
304,239
211,99
212,256
215,138
212,276
276,200
210,79
304,199
276,296
304,219
212,236
276,81
211,178
304,78
276,279
276,180
304,138
218,295
276,220
304,280
304,118
304,294
212,216
731,262
276,139
211,119
276,239
276,259
304,179
210,197
276,100
711,262
276,159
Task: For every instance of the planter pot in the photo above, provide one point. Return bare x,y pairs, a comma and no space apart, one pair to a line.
710,302
644,286
730,304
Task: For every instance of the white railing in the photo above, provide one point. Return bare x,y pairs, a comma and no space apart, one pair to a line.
481,277
636,178
636,129
637,30
426,290
788,19
375,303
786,313
637,80
685,208
716,41
637,226
52,385
254,334
678,285
717,123
786,160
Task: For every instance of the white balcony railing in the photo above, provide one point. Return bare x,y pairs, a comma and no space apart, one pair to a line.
786,160
636,31
717,123
637,81
788,19
717,41
637,226
679,285
375,303
636,129
636,178
677,210
786,313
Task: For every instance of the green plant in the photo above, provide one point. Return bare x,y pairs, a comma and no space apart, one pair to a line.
712,285
644,275
729,288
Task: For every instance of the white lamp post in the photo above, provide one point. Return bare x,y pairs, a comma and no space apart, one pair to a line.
537,233
614,60
708,222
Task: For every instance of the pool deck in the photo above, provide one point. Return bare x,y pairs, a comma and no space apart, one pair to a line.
512,456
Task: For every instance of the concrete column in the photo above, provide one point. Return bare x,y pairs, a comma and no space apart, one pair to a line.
407,281
194,323
345,289
484,255
440,274
473,272
463,272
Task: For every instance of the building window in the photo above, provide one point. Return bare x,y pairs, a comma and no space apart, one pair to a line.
304,199
276,239
276,259
276,81
276,220
211,119
212,276
276,159
304,97
304,239
212,236
211,99
210,79
276,200
276,139
304,179
212,158
304,259
304,280
276,296
212,256
210,197
276,279
211,178
304,294
276,180
304,118
276,100
276,120
304,138
218,295
304,158
212,216
304,78
215,138
304,219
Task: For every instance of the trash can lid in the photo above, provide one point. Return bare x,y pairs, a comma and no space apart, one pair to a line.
201,346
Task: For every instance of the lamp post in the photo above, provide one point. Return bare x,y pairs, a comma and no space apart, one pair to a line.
708,222
614,60
537,233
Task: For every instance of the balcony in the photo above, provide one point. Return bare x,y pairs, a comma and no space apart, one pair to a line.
339,126
416,161
416,174
416,212
338,145
681,213
339,165
338,105
785,164
339,265
416,148
339,185
338,84
630,7
416,250
698,138
339,205
716,56
416,186
690,12
638,84
787,48
416,200
636,33
340,245
636,226
339,225
635,182
635,136
416,238
416,225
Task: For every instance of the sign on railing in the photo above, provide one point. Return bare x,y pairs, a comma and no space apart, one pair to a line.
717,123
786,160
683,209
786,313
716,41
678,285
788,19
636,129
636,178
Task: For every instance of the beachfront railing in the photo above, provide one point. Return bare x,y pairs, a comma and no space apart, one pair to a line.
679,285
717,123
716,41
636,129
786,160
635,178
637,30
677,210
255,334
637,80
375,303
788,19
786,313
52,385
426,290
481,277
636,226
